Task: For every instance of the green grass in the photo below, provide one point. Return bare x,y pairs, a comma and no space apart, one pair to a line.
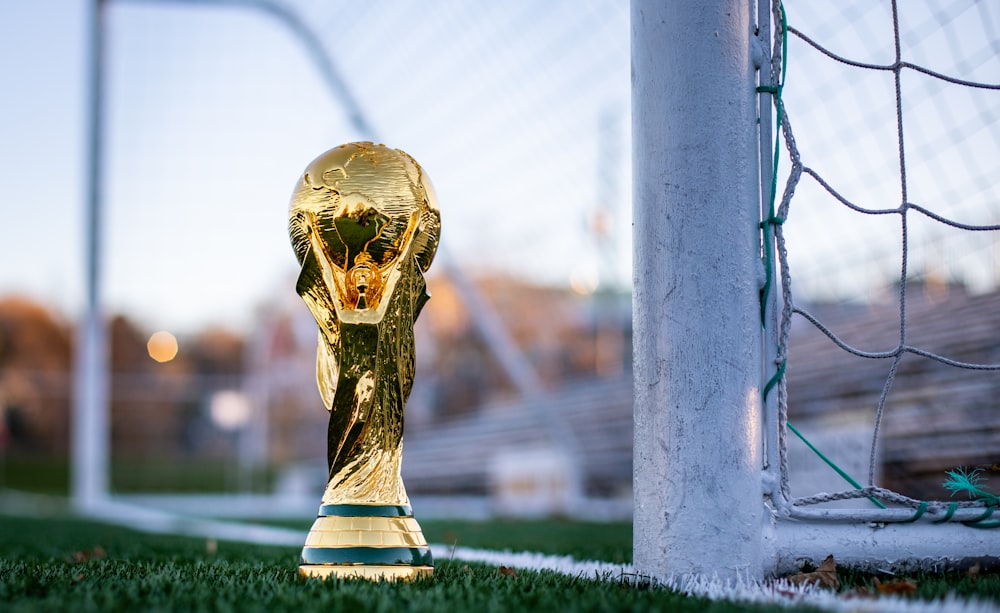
50,475
928,586
608,542
31,473
67,564
50,565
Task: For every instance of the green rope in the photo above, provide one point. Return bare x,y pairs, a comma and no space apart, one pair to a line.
952,507
772,219
977,522
775,378
832,465
986,526
970,482
921,509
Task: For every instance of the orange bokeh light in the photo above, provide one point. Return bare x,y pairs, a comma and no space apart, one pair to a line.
162,346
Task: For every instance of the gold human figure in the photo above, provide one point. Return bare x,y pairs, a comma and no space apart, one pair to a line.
364,224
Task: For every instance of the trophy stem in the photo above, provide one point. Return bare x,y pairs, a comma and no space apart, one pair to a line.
366,541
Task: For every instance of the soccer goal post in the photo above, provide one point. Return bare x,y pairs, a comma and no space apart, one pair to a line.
697,275
710,472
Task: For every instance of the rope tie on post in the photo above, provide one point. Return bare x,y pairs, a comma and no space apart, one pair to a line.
979,521
776,377
952,507
921,509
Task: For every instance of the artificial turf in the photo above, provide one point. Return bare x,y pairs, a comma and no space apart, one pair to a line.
73,565
67,564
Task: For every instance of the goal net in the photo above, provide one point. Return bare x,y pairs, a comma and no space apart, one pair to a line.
885,221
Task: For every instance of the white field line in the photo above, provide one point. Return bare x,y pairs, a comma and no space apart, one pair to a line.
778,592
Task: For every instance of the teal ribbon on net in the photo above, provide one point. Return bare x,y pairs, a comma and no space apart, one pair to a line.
840,471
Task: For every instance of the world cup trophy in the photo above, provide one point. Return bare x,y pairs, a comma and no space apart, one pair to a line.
364,223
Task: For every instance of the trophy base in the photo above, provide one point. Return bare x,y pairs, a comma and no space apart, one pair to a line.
375,542
372,573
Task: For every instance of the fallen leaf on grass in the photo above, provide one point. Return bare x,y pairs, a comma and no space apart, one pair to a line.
973,571
897,586
824,576
83,556
507,571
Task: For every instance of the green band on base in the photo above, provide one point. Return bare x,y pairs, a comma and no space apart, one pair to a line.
401,556
365,510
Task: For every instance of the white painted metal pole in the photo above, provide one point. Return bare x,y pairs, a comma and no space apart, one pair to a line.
876,546
89,468
697,348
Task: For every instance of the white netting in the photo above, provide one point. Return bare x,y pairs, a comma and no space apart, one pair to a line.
219,104
886,197
518,112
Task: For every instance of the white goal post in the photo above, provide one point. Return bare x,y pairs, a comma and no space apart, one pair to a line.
707,499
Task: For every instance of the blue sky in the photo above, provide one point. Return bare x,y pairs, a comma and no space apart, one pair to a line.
213,112
40,149
518,111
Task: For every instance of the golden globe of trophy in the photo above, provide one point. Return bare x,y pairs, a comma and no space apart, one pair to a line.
364,224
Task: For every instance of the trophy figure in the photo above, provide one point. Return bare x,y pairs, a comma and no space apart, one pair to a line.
364,223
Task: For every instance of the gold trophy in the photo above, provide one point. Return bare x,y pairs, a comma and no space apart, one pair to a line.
364,224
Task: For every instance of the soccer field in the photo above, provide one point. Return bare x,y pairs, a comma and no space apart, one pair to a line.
66,564
70,564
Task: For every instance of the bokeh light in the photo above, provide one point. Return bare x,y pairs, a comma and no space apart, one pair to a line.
162,346
585,279
230,409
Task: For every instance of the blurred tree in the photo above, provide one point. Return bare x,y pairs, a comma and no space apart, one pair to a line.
35,350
